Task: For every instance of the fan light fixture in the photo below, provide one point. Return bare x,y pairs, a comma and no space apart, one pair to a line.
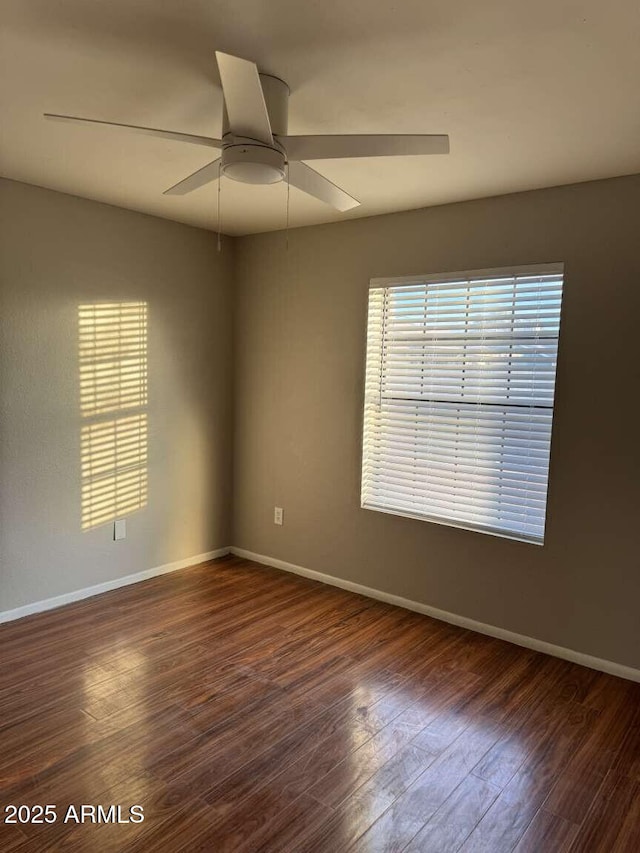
253,164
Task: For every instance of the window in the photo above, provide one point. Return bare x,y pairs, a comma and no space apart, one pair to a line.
459,392
113,401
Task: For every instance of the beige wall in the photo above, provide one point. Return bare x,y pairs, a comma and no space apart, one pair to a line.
57,251
300,327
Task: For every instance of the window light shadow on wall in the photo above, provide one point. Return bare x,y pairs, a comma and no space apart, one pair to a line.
113,402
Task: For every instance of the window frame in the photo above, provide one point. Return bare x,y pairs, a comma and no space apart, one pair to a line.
547,268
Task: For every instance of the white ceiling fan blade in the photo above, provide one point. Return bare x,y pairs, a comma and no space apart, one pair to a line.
244,98
385,145
207,141
198,179
311,182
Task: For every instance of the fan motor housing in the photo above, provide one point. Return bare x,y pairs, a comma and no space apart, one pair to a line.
276,99
253,163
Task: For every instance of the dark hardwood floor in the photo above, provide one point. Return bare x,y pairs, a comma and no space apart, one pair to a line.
251,710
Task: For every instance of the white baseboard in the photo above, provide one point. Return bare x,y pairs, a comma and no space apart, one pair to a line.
444,616
87,592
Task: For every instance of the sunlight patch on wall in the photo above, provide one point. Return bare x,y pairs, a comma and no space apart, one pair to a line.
113,399
113,357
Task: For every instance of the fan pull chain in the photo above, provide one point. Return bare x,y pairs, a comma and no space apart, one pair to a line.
219,213
287,221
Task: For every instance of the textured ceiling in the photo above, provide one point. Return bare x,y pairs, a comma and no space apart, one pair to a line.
532,94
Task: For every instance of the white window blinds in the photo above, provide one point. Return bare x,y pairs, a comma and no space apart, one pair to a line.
459,391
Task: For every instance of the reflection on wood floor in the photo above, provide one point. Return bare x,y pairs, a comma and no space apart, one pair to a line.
247,709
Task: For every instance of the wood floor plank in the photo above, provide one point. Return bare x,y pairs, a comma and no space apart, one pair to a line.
523,742
508,818
347,776
502,826
11,835
355,815
627,760
340,734
280,828
41,741
224,748
613,823
456,819
608,744
250,709
547,832
406,816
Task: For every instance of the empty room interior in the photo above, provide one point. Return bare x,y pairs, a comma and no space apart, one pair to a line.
319,456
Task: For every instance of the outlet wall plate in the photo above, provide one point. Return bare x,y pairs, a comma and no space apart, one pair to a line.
278,515
120,529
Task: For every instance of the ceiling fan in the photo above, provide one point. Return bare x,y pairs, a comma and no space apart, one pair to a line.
255,147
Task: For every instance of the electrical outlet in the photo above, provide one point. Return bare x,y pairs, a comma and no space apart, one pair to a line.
120,529
278,515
